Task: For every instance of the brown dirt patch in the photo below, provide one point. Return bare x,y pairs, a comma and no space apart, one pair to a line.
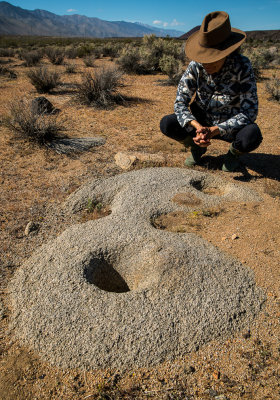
35,181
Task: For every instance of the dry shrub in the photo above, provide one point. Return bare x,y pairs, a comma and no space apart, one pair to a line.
7,52
31,58
55,55
24,121
71,52
89,61
7,72
101,89
172,67
43,79
145,59
71,68
110,49
273,88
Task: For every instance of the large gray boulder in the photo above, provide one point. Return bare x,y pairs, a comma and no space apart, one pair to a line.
118,293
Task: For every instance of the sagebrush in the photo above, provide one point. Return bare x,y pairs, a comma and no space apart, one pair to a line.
44,79
41,128
101,89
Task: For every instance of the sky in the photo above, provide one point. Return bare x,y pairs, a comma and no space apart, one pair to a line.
181,15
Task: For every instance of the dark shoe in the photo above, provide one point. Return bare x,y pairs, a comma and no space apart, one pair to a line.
231,160
195,157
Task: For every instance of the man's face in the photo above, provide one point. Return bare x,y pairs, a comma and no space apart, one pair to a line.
213,68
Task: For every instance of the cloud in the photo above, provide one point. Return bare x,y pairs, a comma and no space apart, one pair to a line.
71,10
176,23
165,24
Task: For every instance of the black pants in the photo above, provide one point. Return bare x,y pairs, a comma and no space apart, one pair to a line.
245,140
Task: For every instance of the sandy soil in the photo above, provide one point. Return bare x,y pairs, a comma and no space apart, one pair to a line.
35,181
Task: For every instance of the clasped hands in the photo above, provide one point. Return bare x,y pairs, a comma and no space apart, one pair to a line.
204,134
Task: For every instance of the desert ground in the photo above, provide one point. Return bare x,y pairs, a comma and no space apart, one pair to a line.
35,181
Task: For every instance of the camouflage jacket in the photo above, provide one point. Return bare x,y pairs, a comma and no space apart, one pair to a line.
228,99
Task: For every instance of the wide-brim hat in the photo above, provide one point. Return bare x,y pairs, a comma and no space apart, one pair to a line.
215,39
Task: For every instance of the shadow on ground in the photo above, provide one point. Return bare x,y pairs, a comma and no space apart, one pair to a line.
266,165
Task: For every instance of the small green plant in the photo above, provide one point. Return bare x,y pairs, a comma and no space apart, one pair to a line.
101,89
94,205
90,206
44,79
25,122
273,88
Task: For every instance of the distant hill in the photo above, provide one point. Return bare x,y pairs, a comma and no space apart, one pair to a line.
267,35
18,21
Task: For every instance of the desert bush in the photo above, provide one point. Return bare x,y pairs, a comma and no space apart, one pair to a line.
97,52
100,89
89,61
133,61
43,79
71,52
31,58
273,88
172,67
55,55
70,68
85,49
25,122
261,58
7,52
7,72
149,40
110,49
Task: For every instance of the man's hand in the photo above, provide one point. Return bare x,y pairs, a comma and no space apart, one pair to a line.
204,134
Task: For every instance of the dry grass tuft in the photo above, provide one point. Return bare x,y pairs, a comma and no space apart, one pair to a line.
25,122
273,88
101,89
43,79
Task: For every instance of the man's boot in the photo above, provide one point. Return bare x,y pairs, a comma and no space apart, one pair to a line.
196,152
231,160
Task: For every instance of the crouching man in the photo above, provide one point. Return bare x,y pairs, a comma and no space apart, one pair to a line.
216,96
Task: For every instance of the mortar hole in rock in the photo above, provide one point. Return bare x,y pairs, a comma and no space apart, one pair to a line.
207,188
103,275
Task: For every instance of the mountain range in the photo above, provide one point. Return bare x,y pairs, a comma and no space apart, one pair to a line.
18,21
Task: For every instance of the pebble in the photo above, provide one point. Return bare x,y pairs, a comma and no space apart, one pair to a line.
234,236
30,227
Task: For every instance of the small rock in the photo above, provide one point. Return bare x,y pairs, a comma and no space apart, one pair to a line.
2,310
127,160
213,393
224,238
189,370
247,335
216,374
234,236
31,227
41,105
124,161
221,397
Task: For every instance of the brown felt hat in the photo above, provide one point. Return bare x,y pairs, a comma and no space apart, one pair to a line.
215,39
